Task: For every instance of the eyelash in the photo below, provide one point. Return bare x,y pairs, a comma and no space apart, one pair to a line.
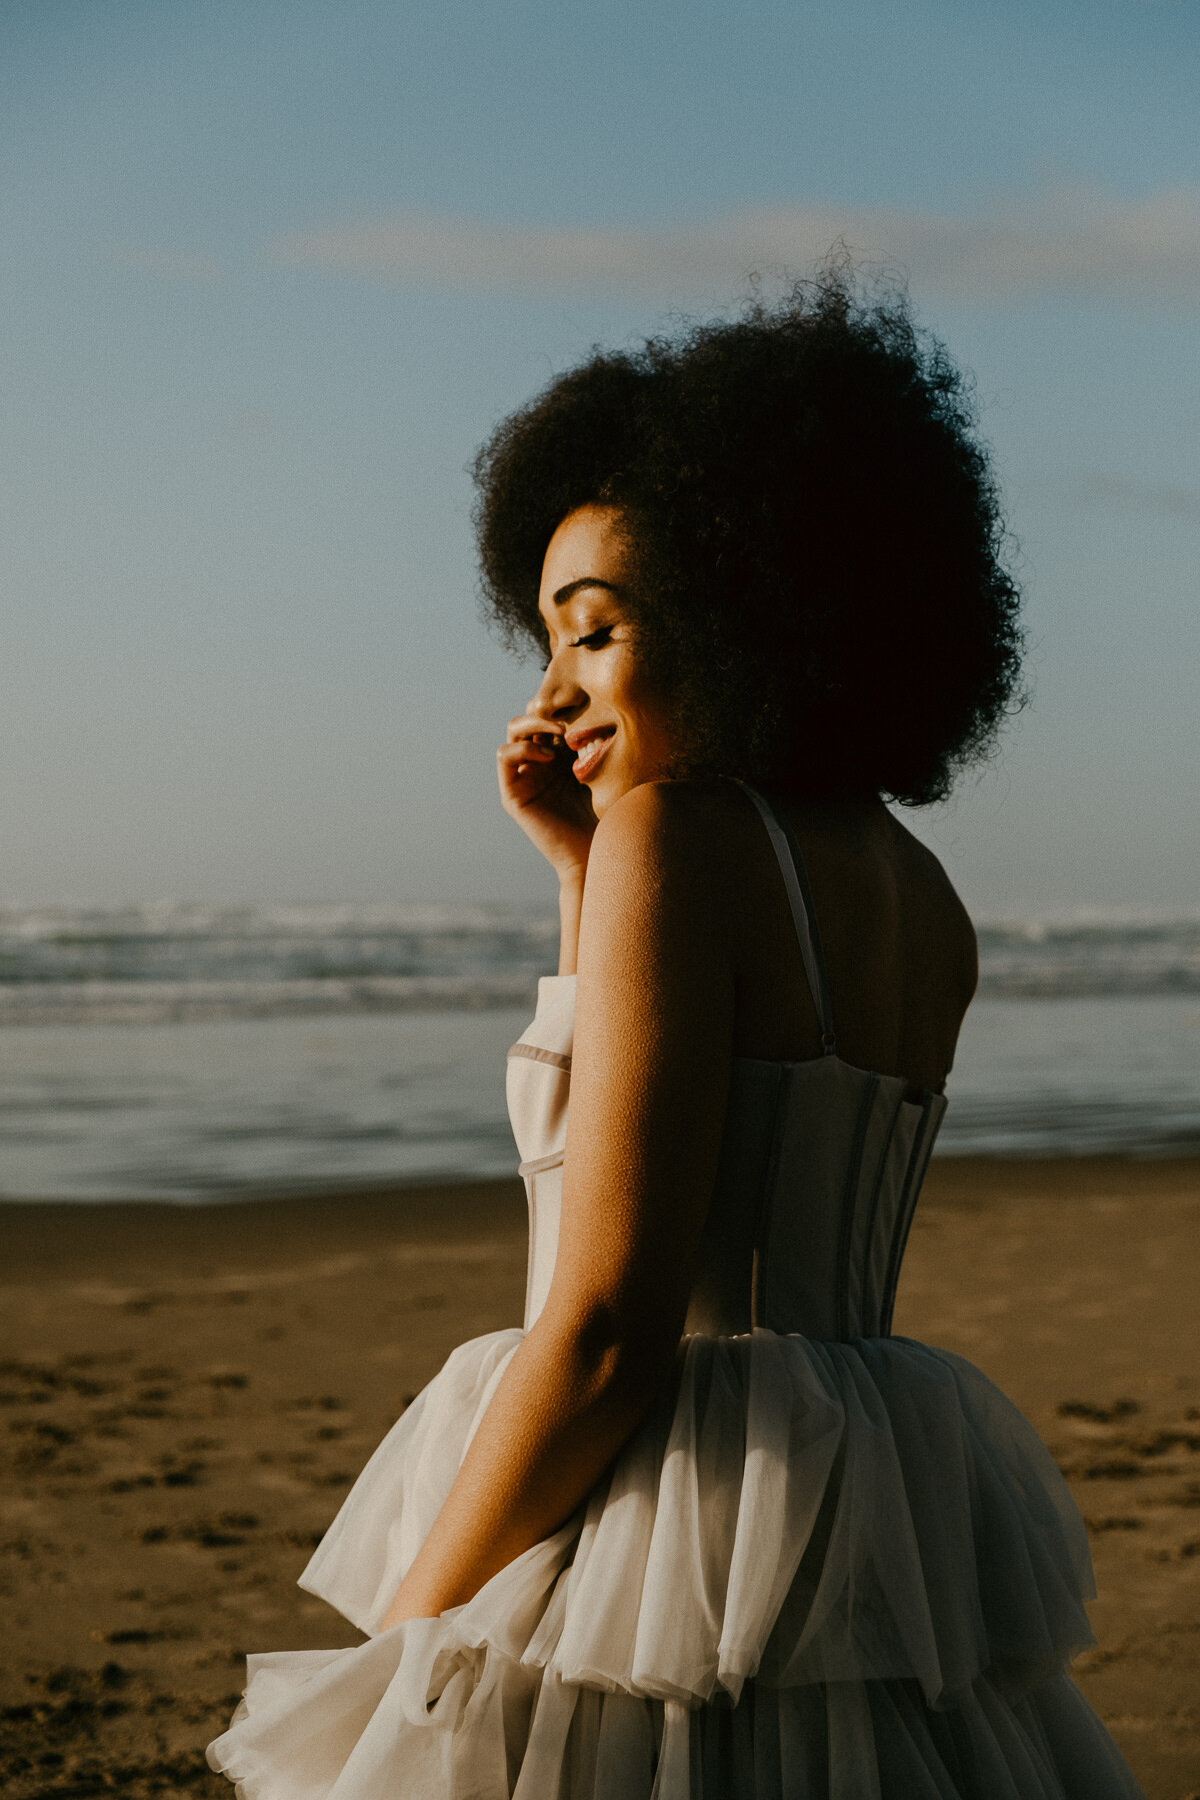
592,640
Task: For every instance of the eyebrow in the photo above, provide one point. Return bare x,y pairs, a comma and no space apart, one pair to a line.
563,594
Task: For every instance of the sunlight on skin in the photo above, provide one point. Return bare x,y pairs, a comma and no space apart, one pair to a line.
596,727
585,1374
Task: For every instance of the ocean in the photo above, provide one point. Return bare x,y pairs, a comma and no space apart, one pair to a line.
189,1053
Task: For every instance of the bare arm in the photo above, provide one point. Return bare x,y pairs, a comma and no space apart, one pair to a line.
648,1089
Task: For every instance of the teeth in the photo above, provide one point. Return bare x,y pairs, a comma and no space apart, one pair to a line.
588,754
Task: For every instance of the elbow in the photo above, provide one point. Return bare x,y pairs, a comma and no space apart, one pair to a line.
617,1354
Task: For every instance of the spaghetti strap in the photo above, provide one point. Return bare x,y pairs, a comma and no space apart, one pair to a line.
795,880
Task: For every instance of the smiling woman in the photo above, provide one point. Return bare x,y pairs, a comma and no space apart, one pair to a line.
597,691
702,1529
598,719
814,541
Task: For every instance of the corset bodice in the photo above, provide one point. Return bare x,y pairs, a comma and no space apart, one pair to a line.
820,1167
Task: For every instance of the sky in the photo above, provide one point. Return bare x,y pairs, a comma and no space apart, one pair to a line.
272,269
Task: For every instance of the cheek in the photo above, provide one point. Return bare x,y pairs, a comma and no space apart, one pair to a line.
640,696
650,742
645,713
653,716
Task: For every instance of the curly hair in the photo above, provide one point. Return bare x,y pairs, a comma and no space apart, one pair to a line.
820,585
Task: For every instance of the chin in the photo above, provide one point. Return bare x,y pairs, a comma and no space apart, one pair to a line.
613,786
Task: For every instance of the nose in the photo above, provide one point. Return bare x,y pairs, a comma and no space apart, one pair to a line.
558,697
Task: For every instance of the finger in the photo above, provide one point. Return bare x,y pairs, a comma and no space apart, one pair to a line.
529,725
525,779
549,745
517,756
526,783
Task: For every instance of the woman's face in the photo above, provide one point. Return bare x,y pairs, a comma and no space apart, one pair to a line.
618,731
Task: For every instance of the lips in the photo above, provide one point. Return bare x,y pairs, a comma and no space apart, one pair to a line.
589,747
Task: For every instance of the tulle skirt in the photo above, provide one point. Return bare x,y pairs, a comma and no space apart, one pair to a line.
844,1571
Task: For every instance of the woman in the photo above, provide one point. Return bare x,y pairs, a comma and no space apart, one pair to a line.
704,1528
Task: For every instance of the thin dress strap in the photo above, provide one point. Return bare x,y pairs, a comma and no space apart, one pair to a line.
795,880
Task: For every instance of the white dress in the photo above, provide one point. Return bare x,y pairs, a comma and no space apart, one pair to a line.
831,1564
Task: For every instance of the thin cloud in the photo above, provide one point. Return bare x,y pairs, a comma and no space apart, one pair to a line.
1066,239
171,265
1117,493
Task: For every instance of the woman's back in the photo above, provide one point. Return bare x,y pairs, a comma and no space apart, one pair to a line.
804,1216
898,946
806,1209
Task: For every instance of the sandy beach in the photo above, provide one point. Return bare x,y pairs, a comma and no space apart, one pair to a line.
189,1391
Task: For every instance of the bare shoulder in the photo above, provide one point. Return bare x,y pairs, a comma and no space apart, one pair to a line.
660,855
939,905
674,821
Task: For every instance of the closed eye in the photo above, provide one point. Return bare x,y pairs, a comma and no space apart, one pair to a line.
592,640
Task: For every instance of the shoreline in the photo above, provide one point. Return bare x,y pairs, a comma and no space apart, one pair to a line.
191,1388
1069,1168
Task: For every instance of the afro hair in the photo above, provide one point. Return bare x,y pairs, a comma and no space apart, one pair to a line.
820,585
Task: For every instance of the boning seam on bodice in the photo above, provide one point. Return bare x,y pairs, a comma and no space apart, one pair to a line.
846,1204
760,1265
539,1164
535,1053
913,1175
868,1234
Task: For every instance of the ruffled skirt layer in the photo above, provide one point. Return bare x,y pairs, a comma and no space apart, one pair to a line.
838,1570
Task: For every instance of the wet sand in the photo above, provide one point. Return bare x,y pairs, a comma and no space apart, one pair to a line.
188,1393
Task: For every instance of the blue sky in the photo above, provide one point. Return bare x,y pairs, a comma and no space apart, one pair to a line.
272,270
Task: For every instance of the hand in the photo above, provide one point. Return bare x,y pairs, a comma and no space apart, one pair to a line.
539,791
